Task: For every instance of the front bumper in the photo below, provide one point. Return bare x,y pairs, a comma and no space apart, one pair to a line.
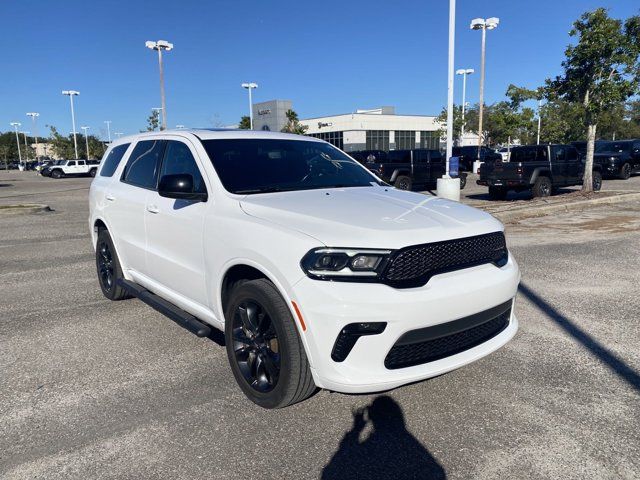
328,307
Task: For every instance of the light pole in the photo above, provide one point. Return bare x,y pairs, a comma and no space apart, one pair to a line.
34,116
71,94
108,122
26,149
161,45
86,139
250,86
540,121
484,25
16,125
464,72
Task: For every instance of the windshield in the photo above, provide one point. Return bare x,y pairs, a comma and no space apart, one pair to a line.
60,162
613,147
249,166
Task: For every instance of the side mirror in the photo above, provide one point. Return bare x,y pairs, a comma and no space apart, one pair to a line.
180,186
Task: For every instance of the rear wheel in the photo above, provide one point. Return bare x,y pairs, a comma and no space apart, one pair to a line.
597,181
497,193
542,187
463,180
264,349
403,183
625,172
108,267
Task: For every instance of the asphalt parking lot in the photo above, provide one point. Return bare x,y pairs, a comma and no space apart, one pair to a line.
97,389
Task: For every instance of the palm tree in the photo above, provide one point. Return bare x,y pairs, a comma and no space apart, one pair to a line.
293,124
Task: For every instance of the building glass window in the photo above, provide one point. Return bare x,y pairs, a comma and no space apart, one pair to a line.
430,140
378,140
405,139
334,138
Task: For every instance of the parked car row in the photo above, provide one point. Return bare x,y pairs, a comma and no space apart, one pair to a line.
543,168
406,169
70,168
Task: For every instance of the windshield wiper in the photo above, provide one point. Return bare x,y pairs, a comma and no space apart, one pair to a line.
263,190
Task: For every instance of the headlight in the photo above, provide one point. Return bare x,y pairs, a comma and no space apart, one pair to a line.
613,159
344,263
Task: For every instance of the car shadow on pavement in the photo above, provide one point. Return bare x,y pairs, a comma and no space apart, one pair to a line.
389,451
610,359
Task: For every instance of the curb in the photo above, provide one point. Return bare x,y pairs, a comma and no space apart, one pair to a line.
529,212
24,209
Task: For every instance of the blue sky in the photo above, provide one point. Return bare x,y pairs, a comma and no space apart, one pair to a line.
327,56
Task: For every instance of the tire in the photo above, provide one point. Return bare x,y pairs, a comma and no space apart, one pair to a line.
56,174
268,336
625,172
542,187
108,267
463,181
403,183
92,172
596,181
497,193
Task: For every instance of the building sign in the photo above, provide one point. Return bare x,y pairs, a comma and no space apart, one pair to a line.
265,111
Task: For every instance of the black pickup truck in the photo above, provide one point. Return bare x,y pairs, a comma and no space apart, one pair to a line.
618,158
406,169
539,168
469,154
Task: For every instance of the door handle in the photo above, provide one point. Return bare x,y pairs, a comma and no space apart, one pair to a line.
153,209
109,197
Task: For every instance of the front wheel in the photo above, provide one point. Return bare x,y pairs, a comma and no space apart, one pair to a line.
463,181
625,172
596,181
264,349
92,172
56,174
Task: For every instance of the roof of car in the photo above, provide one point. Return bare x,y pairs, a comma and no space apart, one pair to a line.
216,133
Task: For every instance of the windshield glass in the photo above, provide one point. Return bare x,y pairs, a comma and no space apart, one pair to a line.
249,166
613,147
60,162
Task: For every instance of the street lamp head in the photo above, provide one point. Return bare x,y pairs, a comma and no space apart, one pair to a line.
33,114
15,124
249,85
492,23
470,71
70,92
150,44
477,24
85,128
159,45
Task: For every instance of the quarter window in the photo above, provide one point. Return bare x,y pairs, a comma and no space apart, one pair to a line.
143,165
112,160
178,159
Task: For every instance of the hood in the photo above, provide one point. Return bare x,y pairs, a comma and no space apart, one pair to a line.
370,217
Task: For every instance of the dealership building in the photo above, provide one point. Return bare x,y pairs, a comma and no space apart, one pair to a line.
377,129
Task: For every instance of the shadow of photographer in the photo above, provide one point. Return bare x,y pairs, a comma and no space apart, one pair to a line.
390,451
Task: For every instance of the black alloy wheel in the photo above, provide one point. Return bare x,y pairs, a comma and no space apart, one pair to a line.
625,171
256,346
105,265
597,181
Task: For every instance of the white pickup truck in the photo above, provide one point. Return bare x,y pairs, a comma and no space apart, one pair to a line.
63,168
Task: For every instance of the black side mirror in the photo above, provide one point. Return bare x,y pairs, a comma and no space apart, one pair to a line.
180,186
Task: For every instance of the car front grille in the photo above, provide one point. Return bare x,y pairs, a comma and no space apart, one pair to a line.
429,344
414,266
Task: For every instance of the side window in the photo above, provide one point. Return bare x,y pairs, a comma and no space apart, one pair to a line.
541,154
142,168
572,154
435,156
561,154
81,162
178,159
112,160
420,156
72,163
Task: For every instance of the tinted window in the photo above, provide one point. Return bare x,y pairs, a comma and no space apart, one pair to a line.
247,166
436,156
572,154
142,168
399,156
614,147
420,156
561,154
178,159
112,160
71,164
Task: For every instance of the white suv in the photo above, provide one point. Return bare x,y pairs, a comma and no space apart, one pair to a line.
319,274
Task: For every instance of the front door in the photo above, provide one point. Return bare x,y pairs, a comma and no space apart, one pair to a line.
175,244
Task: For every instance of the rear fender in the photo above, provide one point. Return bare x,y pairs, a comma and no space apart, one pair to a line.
540,172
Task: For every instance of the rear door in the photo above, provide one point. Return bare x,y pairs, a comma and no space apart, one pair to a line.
127,199
437,166
559,166
573,170
175,248
420,167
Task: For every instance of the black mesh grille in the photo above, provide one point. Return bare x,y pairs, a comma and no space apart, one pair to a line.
414,266
401,356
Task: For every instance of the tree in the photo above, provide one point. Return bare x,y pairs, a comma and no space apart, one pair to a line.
457,123
62,147
245,123
153,121
601,71
293,124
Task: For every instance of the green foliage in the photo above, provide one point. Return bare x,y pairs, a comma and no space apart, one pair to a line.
457,122
9,147
153,121
63,146
245,123
293,124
